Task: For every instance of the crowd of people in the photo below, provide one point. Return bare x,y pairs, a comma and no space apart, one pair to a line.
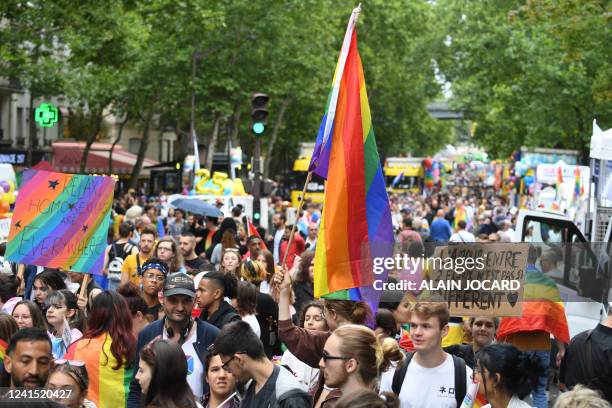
195,311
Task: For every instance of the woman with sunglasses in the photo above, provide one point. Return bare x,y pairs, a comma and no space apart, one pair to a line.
162,374
70,382
506,375
108,349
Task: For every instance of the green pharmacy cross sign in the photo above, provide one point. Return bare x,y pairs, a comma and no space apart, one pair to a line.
46,115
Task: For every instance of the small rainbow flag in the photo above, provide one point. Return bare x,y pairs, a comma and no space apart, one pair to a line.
107,387
251,230
542,309
356,223
578,189
559,182
61,221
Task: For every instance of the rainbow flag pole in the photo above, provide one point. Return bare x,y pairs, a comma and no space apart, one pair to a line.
294,227
355,226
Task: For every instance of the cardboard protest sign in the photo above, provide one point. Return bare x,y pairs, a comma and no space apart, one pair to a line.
479,279
61,221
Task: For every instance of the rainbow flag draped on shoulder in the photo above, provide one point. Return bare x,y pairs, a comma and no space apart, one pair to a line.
107,387
542,309
356,223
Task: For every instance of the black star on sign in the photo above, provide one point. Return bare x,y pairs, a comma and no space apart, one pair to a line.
53,183
71,206
85,228
18,224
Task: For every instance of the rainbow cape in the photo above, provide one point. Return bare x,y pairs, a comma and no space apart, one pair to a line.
542,309
355,226
107,387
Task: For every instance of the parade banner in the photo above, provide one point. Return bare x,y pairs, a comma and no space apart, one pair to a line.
61,221
479,279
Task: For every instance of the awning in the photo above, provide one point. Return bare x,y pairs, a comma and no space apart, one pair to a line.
67,158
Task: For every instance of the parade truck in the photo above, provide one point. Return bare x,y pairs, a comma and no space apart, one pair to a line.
315,190
410,174
403,174
583,270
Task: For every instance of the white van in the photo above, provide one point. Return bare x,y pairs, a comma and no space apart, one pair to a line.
583,274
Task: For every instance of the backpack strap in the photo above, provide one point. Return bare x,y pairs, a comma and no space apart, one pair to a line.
460,379
588,356
400,374
138,268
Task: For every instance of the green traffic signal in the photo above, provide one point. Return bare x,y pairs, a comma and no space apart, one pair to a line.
258,128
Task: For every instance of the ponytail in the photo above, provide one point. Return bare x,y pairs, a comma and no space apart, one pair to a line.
354,312
530,366
362,344
519,371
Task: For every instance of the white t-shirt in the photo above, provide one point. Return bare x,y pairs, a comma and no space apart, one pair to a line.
195,368
462,236
304,373
278,237
252,321
427,387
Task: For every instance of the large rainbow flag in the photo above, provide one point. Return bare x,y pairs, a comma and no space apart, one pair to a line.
356,223
542,309
107,387
61,221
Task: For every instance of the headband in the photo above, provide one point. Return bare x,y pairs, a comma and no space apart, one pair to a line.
155,265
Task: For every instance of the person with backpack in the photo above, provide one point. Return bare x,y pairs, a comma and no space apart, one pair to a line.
131,271
428,377
588,359
115,254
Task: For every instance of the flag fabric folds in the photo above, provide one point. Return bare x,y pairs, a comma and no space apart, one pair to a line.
542,309
356,223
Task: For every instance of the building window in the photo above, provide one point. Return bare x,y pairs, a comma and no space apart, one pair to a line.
20,135
165,151
134,145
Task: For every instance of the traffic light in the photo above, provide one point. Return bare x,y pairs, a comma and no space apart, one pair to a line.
259,112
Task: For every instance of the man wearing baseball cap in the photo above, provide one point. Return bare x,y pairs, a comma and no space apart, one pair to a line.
194,335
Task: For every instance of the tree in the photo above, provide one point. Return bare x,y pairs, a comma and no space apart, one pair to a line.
533,75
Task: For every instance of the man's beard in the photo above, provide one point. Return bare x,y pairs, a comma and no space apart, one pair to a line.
20,384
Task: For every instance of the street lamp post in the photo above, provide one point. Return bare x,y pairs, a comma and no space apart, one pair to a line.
196,153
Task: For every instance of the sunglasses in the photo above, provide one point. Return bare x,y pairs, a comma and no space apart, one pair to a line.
327,356
74,363
231,250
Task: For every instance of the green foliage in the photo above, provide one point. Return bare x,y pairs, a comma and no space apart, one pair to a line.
531,73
